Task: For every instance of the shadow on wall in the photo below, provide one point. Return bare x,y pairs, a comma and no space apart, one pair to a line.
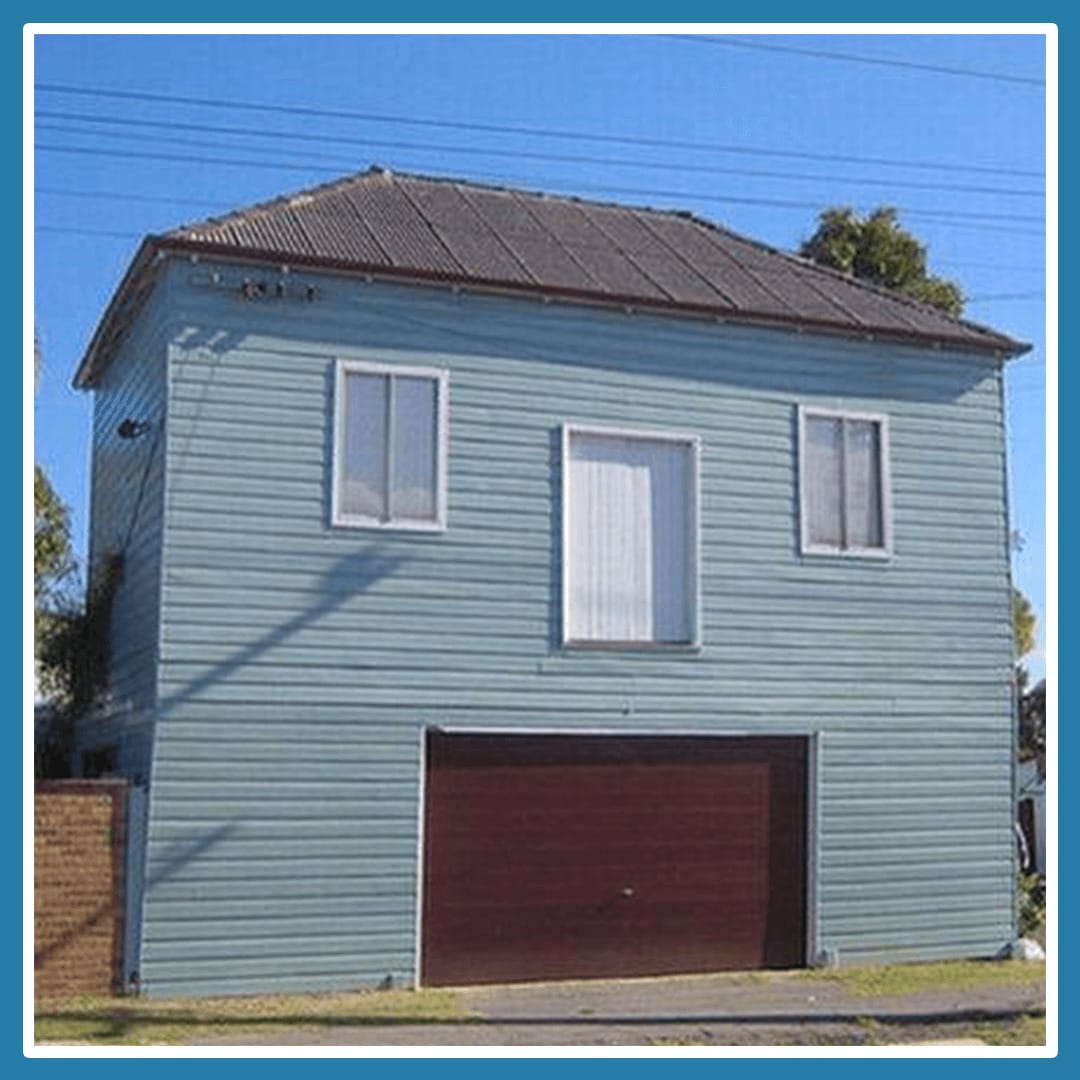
178,856
739,357
349,576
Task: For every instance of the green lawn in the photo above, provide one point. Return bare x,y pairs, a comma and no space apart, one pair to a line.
1027,1031
945,975
145,1021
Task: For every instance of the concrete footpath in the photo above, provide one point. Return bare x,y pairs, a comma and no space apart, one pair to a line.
711,1010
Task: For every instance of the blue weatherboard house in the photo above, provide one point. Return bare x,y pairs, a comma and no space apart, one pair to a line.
507,586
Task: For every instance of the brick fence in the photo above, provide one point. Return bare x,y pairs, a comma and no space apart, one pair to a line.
79,835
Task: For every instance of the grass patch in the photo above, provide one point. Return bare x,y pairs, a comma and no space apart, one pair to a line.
1029,1030
152,1021
944,975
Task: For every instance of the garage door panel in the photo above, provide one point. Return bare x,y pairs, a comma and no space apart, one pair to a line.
553,857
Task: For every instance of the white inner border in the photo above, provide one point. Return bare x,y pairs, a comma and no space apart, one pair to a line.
1049,32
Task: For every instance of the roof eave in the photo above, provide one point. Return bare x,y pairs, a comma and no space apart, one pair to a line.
997,345
142,260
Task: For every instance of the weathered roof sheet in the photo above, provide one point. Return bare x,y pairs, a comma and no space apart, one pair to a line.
419,228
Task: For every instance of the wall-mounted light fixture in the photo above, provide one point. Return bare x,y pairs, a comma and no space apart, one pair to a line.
132,429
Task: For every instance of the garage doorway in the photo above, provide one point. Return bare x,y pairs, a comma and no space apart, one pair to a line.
552,856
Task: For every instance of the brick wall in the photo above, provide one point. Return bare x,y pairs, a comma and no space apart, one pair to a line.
78,886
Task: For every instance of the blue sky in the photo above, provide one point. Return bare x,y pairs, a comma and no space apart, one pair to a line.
758,133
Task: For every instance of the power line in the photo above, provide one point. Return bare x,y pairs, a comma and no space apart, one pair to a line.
990,265
1035,294
509,129
740,43
201,144
949,216
123,196
209,204
278,165
80,231
536,155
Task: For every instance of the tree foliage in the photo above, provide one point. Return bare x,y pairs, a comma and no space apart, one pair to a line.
1024,621
73,644
1032,704
876,249
54,569
55,616
54,561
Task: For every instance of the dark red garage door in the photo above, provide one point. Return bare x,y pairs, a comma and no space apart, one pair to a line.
551,857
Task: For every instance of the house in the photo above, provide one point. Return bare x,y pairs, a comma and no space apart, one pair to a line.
1031,780
1031,814
519,587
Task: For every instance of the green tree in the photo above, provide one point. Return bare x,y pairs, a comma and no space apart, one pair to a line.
54,561
1024,622
875,248
1032,703
55,614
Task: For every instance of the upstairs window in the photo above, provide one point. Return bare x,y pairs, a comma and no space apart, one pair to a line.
630,538
844,483
390,435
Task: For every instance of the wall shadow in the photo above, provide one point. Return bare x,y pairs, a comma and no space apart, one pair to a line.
681,348
349,576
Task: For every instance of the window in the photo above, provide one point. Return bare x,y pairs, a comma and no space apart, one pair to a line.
630,538
389,447
844,483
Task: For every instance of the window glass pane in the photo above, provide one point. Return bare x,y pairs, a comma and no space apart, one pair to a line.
414,452
671,476
822,472
627,558
862,484
363,465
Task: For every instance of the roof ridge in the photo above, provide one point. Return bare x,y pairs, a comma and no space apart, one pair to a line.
539,193
375,169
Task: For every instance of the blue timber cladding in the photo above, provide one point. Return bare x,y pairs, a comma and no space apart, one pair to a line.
300,663
127,485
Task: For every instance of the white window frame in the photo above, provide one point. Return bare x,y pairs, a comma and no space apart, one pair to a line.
806,412
441,377
693,532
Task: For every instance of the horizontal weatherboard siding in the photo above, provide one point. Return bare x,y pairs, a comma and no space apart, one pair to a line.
126,528
300,664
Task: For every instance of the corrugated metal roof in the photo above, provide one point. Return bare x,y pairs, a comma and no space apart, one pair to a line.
421,228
